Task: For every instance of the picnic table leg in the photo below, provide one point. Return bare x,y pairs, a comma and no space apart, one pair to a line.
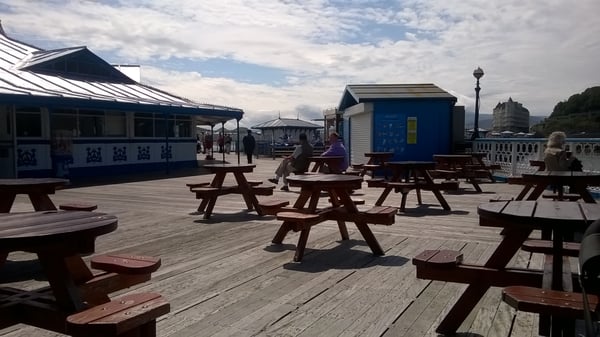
249,196
6,202
281,233
218,183
301,245
41,202
435,191
384,194
343,230
369,238
336,202
476,185
524,192
508,247
441,199
3,257
537,191
305,195
403,200
63,286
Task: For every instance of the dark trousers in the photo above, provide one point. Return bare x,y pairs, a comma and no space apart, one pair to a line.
249,155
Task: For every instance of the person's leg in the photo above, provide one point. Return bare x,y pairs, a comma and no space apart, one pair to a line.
288,168
280,171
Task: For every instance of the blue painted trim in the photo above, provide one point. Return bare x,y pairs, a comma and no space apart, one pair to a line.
133,141
67,102
21,141
79,173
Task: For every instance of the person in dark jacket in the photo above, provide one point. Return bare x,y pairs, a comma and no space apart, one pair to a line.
249,145
297,162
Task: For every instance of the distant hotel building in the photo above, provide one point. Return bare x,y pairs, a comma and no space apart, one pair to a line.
510,116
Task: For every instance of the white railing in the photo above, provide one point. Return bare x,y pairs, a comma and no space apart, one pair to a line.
513,154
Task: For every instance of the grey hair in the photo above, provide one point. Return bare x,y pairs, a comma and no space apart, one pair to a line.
556,139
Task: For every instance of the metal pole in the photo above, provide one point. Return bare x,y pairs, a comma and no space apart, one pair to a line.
475,134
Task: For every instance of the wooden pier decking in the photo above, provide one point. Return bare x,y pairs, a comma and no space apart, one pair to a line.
223,277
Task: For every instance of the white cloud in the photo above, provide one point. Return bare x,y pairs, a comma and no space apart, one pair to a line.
537,52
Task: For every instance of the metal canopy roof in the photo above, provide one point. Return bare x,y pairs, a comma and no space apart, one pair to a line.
360,93
286,123
30,75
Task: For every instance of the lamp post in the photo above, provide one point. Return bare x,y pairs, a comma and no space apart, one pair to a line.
477,73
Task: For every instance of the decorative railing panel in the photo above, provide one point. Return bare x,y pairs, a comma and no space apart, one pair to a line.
513,154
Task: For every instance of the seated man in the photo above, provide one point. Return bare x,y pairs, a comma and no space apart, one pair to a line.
336,148
297,162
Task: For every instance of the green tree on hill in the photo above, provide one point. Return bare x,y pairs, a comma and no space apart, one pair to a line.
577,116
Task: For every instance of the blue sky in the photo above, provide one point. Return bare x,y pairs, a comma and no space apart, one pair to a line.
294,57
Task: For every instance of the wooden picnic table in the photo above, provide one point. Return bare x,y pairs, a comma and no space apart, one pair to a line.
331,162
376,161
540,180
409,175
305,212
37,189
518,219
58,238
210,194
479,164
458,166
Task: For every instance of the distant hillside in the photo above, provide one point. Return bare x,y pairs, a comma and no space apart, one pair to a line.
579,115
485,120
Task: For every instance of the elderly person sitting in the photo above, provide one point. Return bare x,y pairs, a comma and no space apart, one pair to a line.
555,157
298,162
336,148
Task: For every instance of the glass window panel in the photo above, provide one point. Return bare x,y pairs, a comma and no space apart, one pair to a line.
91,126
159,127
64,122
29,124
184,128
116,124
143,127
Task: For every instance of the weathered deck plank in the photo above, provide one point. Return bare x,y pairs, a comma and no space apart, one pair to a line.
223,277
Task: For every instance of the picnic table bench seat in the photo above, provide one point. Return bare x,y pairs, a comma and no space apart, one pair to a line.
263,190
377,215
545,247
194,185
129,315
78,206
126,264
113,272
376,182
444,174
549,302
448,266
371,168
300,220
272,206
565,196
500,198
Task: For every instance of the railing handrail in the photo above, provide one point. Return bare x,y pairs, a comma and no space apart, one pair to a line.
513,154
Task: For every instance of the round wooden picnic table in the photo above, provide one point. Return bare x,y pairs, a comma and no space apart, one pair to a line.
338,188
37,189
578,181
415,175
518,219
243,187
58,238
